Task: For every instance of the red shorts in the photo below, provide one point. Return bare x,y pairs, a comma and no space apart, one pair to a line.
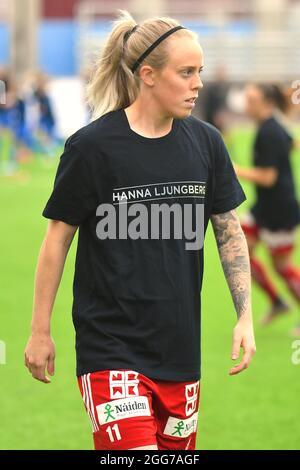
279,242
128,410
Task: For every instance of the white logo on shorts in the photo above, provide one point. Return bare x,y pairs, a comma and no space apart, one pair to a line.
123,384
191,393
181,427
125,408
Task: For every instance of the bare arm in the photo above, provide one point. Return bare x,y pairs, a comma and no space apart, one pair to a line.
261,176
40,349
233,251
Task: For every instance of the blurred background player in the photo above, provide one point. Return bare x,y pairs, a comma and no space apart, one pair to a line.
275,215
9,124
39,116
214,103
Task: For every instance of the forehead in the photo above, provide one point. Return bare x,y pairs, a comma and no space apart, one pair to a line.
253,92
184,51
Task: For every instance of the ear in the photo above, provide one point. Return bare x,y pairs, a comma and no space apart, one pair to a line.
147,75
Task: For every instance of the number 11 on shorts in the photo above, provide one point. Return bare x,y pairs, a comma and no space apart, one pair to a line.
116,430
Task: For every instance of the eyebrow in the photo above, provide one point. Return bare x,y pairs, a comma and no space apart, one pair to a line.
191,67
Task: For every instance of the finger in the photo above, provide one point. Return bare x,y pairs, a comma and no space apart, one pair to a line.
244,364
238,368
43,379
26,363
51,367
236,346
38,373
247,357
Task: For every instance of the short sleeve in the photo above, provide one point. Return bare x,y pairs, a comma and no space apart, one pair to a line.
228,193
268,149
73,198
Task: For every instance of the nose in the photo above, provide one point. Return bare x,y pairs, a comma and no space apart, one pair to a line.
198,83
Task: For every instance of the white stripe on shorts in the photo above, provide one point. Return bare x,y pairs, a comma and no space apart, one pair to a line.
91,400
87,398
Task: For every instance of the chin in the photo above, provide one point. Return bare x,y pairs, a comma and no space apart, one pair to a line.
183,114
187,112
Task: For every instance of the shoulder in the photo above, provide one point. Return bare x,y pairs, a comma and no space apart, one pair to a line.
210,143
271,128
88,138
206,131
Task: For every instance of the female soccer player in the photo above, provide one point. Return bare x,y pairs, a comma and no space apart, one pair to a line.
275,214
136,305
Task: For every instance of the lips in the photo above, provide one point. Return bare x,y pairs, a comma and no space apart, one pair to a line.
191,100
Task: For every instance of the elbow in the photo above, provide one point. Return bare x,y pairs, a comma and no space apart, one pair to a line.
269,179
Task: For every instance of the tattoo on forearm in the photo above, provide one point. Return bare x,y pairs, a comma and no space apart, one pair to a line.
234,256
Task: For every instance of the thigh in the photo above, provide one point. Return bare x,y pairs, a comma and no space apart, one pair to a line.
176,407
280,244
119,404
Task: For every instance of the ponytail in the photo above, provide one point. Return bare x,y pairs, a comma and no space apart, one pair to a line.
276,95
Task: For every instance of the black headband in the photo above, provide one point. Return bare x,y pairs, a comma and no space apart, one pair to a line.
150,49
129,33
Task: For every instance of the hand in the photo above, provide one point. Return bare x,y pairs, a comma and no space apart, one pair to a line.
243,337
39,355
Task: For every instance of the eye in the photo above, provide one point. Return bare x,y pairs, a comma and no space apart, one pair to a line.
187,72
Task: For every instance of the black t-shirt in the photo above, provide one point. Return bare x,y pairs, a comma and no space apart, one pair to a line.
137,301
276,208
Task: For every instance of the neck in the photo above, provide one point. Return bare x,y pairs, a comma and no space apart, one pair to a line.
145,118
264,115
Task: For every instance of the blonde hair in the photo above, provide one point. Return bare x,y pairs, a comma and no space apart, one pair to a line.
113,85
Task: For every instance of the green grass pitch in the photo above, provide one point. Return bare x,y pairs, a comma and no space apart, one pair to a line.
258,409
